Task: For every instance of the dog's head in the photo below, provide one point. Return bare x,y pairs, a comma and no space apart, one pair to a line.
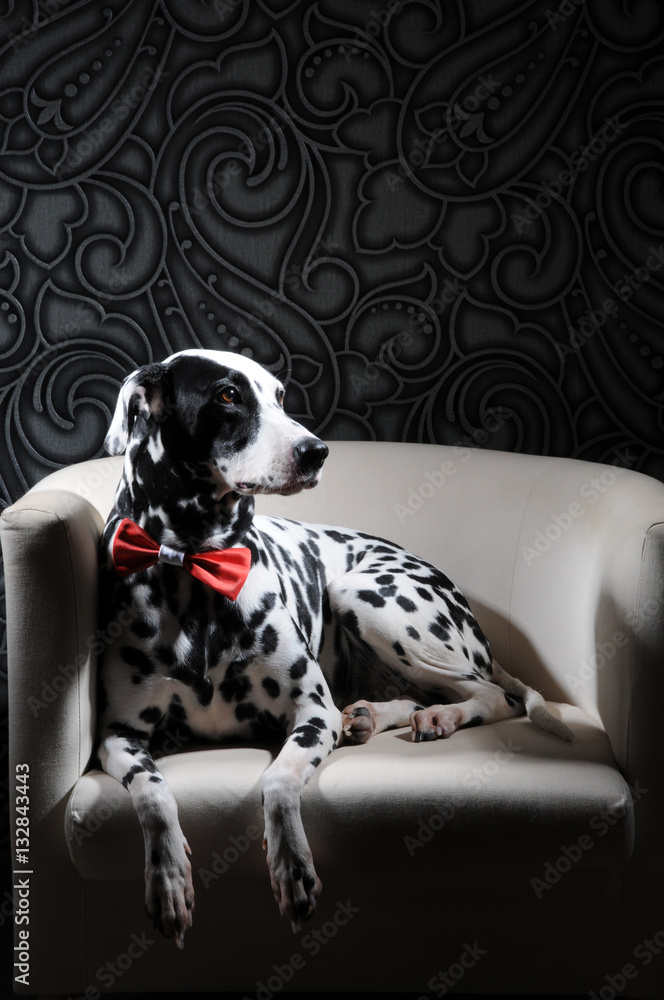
220,412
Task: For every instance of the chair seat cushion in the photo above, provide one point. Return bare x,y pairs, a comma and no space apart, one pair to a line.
499,794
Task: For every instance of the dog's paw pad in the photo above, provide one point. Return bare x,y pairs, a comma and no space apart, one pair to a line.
358,723
435,723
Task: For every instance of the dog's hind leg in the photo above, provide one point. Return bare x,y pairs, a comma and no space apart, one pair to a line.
169,893
428,650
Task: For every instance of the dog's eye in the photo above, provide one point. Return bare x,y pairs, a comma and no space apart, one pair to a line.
229,394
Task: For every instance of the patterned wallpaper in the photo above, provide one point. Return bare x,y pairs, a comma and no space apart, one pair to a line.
441,221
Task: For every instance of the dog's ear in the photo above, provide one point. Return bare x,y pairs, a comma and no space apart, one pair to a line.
142,395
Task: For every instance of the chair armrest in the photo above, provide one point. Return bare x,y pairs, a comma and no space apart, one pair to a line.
50,543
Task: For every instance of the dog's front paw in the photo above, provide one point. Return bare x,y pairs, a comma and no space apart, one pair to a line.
358,722
169,892
294,882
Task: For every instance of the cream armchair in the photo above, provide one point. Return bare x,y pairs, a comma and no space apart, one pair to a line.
499,861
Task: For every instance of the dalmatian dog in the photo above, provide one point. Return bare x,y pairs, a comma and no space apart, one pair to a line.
246,626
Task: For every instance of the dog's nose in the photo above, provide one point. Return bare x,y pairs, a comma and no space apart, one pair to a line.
310,453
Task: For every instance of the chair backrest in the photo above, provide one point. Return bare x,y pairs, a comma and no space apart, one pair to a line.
562,561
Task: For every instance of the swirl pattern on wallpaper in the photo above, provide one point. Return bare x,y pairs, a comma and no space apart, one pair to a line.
438,220
419,213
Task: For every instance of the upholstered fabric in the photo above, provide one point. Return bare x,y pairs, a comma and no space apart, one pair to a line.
367,803
543,856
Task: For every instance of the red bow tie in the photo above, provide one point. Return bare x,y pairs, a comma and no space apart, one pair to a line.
224,569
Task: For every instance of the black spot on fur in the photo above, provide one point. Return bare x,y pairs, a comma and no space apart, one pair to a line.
151,715
440,628
412,632
476,720
138,659
166,655
338,536
235,685
406,604
350,622
308,735
259,616
148,763
124,729
371,597
144,629
204,689
269,639
176,709
266,724
129,776
298,669
271,687
245,710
